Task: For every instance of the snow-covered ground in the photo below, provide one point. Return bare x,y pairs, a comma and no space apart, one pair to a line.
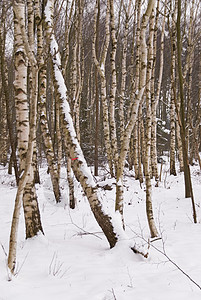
73,260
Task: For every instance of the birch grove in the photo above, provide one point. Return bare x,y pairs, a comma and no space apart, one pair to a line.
113,85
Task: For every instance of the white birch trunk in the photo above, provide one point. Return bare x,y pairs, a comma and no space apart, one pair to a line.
155,97
147,162
32,215
124,73
134,110
79,166
101,70
49,152
113,88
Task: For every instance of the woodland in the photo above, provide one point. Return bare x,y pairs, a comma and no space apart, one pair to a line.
100,91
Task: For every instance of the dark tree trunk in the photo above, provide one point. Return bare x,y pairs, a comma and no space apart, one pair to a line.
187,175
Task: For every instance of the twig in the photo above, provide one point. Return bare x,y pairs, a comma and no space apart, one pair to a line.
88,233
168,258
4,249
18,269
112,291
84,231
56,267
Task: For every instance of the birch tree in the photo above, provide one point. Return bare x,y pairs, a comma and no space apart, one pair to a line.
49,151
79,165
113,87
100,65
147,162
134,108
173,94
26,193
156,89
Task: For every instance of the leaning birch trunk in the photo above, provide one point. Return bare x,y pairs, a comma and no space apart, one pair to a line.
65,60
111,230
134,109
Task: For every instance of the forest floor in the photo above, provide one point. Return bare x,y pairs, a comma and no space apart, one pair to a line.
72,261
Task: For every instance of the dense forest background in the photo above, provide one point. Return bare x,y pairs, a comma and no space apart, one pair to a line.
74,30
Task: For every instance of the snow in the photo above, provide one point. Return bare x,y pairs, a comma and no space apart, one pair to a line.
102,67
73,260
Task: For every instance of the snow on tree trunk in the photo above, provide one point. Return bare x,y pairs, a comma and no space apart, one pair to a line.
110,225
